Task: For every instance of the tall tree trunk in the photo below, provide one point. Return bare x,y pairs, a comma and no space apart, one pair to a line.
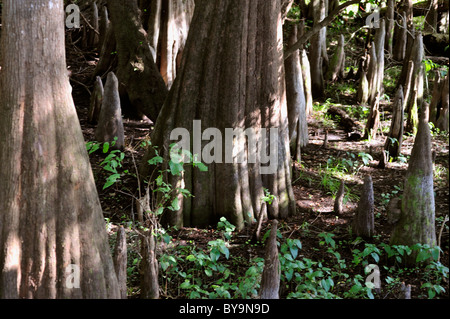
226,36
295,97
394,140
51,221
414,84
306,72
136,64
390,24
318,43
443,119
337,61
400,38
175,20
416,224
431,17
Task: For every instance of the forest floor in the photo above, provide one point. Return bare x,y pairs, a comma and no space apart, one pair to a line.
315,183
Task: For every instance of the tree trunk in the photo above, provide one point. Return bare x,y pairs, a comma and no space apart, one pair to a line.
443,120
94,33
337,61
96,101
150,267
363,89
52,231
227,36
435,103
400,38
414,85
318,43
416,224
110,123
390,24
373,121
103,26
363,224
394,140
372,74
136,64
108,54
296,102
270,281
175,20
306,72
154,25
120,261
431,17
379,45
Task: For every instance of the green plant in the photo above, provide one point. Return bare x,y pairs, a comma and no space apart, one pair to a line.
226,228
111,163
366,158
268,197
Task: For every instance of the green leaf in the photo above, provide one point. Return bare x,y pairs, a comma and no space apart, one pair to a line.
422,255
156,160
288,274
214,254
208,272
294,251
202,167
224,250
191,258
375,257
175,168
175,205
105,147
111,180
186,285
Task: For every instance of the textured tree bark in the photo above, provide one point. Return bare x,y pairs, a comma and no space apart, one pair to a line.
103,25
51,221
414,84
94,33
337,61
435,103
120,261
363,89
394,140
108,56
400,38
174,29
135,60
270,281
150,267
373,121
372,74
416,224
110,123
363,224
390,24
431,17
227,36
96,101
296,102
306,72
379,45
443,119
316,57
